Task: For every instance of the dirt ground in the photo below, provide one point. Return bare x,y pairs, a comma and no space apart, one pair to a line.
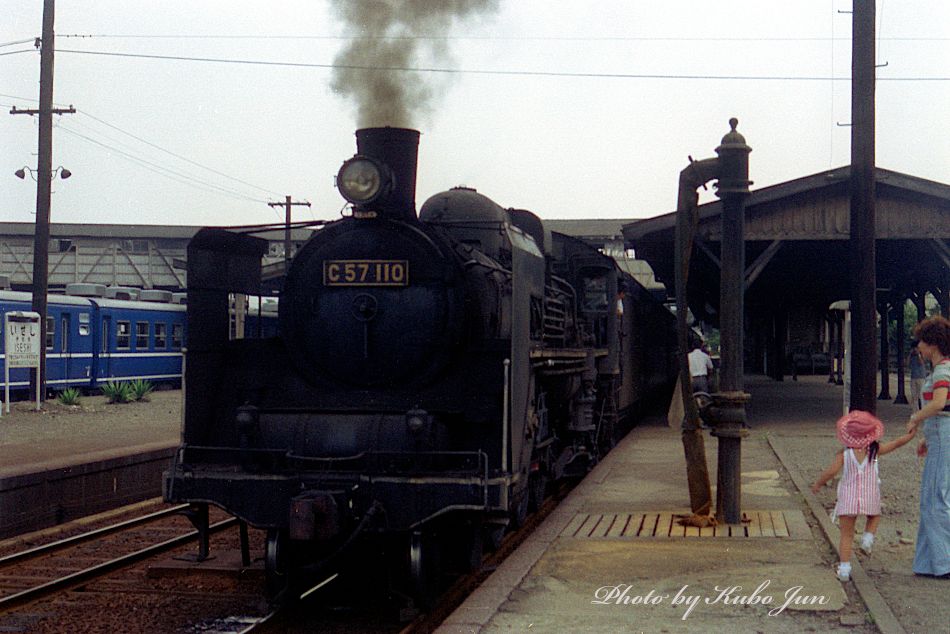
58,433
806,432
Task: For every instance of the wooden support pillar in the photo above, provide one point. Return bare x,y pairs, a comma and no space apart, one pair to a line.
832,346
901,353
839,352
920,302
943,298
884,310
780,330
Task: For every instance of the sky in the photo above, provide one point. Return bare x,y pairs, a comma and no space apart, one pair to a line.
571,110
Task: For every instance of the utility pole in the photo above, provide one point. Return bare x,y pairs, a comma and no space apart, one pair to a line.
287,204
44,177
862,260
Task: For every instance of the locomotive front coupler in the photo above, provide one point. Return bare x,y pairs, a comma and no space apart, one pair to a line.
727,416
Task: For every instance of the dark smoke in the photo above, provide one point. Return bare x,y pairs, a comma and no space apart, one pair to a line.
395,34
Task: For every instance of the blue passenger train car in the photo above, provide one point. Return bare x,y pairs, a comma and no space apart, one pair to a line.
92,340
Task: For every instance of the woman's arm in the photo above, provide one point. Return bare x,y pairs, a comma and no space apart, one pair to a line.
930,408
830,472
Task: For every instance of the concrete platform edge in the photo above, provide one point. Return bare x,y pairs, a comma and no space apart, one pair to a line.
485,602
34,499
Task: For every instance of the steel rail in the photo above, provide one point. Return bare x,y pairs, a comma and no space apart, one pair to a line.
63,583
52,547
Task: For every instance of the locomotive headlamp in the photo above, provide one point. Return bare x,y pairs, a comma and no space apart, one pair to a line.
362,180
416,420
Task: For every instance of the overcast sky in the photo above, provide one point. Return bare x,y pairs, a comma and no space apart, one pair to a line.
570,109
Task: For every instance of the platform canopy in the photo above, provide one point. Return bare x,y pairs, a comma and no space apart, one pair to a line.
796,237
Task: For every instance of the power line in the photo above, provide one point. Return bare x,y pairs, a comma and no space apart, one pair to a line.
20,98
529,38
167,172
178,156
461,71
32,39
25,50
157,147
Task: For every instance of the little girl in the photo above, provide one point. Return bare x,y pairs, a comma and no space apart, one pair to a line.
859,490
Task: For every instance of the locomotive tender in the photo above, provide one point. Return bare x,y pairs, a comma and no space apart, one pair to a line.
431,374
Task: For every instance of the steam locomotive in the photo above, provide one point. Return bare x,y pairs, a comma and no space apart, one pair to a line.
432,374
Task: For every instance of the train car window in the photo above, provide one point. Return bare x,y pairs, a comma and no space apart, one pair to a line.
177,336
84,324
123,335
161,342
141,335
595,294
50,331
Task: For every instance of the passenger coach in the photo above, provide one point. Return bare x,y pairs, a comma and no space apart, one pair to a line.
93,340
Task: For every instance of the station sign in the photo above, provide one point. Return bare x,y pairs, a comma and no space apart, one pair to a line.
21,332
21,346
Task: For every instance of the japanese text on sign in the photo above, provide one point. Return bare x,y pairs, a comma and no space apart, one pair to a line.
22,340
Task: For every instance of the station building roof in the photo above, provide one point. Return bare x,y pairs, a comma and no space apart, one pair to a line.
796,237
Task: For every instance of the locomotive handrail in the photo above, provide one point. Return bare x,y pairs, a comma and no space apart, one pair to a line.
482,224
504,416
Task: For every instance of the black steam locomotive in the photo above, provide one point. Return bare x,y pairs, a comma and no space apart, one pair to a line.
431,376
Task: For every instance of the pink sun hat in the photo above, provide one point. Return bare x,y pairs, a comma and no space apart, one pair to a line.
859,429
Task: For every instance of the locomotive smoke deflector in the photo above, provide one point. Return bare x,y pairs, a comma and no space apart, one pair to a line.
381,179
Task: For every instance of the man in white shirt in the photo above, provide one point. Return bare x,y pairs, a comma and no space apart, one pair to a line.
700,366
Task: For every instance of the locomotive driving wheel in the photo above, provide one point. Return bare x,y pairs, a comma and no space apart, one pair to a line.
538,474
608,425
277,575
425,567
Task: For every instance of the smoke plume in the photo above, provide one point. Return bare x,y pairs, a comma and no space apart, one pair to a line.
395,34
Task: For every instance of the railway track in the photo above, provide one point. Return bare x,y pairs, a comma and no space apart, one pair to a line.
97,566
43,571
316,611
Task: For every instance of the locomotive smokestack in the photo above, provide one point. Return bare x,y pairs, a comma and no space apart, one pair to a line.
397,149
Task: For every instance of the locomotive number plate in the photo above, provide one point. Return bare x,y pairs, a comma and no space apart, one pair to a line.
366,273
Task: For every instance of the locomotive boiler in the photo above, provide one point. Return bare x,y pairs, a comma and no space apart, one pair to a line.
432,374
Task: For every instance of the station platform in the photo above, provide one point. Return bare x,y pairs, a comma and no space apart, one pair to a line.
612,557
63,463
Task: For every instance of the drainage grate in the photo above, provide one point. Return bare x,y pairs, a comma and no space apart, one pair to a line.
661,524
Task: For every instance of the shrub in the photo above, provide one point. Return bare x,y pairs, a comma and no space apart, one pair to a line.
117,392
69,396
140,389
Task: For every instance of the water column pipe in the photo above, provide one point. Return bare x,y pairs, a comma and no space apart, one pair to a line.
694,176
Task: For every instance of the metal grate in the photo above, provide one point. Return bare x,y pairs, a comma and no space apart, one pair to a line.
664,524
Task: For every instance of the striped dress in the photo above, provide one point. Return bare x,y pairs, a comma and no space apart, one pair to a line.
859,491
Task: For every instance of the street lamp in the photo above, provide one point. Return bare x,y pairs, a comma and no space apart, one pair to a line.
41,258
62,171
